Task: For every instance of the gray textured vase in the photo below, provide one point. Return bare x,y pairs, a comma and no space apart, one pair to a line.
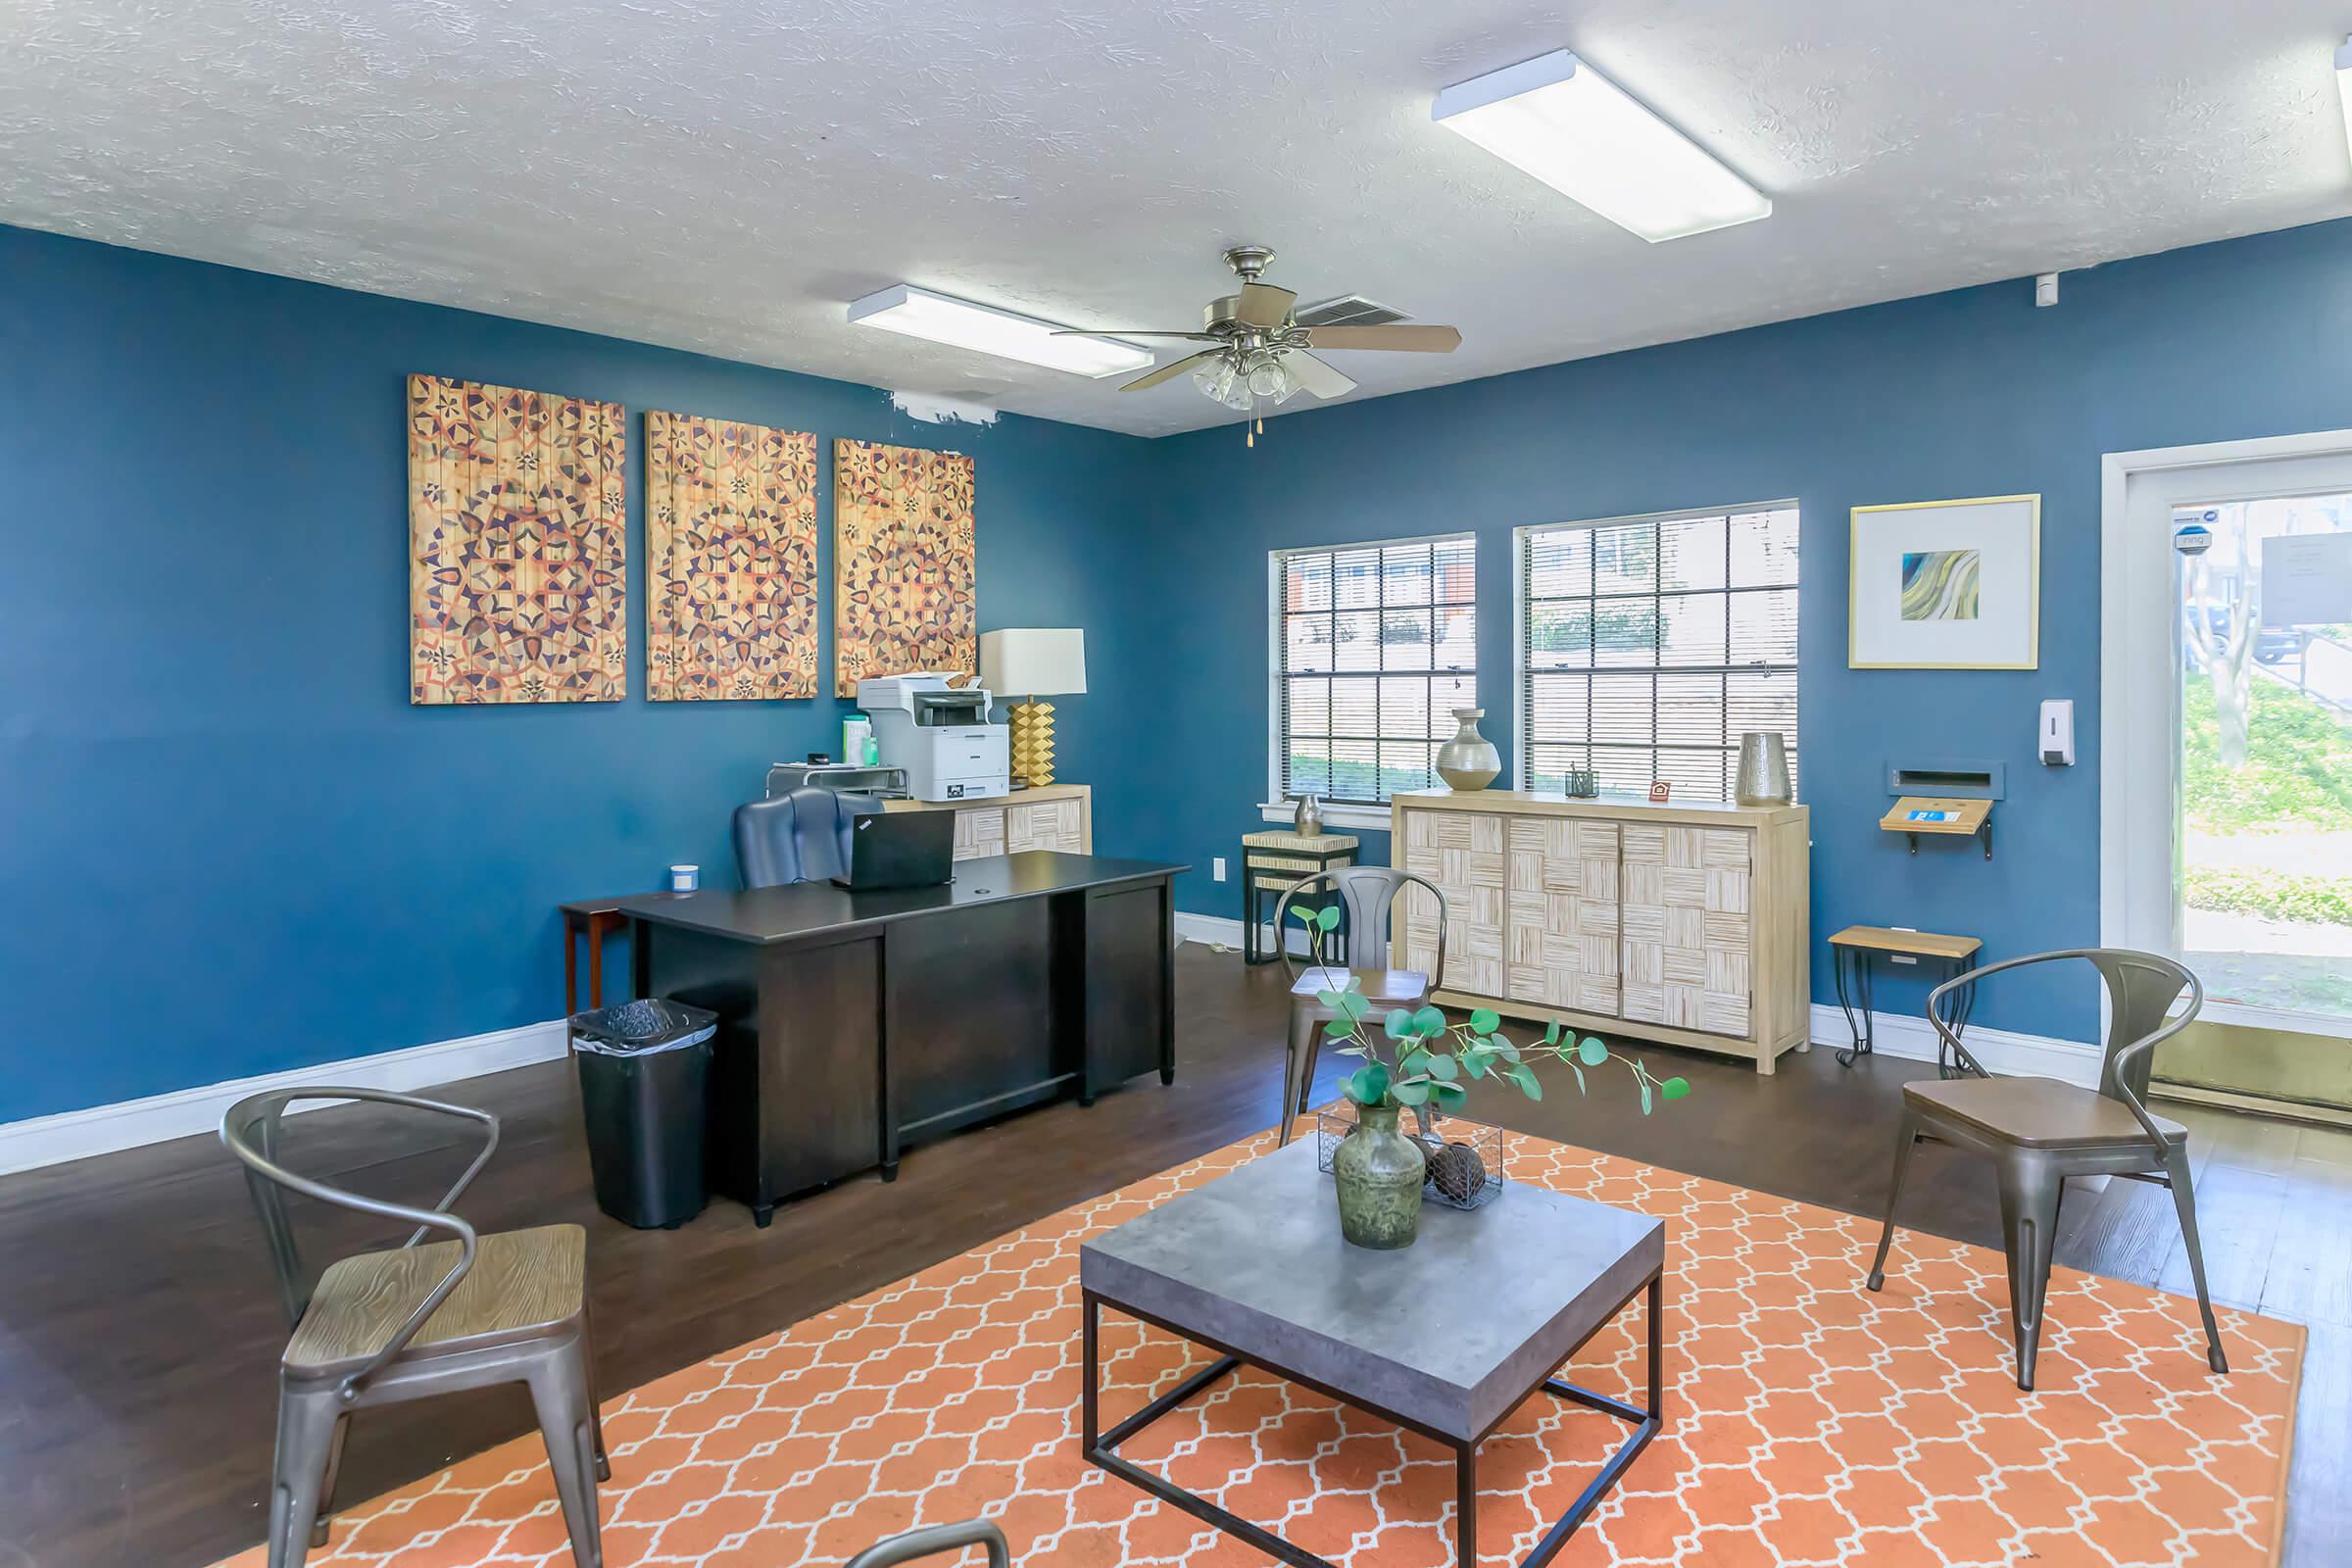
1378,1172
1469,760
1308,820
1763,768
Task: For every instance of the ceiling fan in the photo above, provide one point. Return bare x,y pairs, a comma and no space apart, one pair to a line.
1261,355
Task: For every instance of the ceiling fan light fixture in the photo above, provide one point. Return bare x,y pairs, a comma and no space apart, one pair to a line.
913,312
1557,119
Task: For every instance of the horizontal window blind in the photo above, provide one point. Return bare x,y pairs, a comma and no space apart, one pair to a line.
1376,645
1652,643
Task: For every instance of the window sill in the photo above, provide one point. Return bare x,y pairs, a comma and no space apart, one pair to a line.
1335,814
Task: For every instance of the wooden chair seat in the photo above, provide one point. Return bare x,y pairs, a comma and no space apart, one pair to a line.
1392,988
2036,1112
522,1284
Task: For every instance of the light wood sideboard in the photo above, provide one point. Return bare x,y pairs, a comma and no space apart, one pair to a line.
1681,923
1050,816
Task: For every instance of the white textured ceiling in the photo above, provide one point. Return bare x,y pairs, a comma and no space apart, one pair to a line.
726,175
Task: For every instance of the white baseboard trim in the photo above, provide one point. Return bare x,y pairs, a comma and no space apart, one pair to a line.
127,1124
2001,1050
1223,931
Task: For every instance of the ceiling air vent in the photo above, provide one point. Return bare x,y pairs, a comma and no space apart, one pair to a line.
1348,310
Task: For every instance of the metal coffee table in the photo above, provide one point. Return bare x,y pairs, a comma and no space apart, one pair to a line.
1251,1267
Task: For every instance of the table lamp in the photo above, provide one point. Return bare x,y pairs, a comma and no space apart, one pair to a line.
1033,661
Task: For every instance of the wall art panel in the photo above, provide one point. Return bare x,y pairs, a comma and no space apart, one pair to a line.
905,563
518,546
730,559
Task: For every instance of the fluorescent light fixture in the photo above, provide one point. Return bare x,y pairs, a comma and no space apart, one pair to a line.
1579,132
2343,83
920,313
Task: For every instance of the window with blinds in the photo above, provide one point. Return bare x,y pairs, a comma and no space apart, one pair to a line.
1651,643
1375,646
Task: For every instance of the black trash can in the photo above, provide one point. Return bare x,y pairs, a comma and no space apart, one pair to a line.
645,1067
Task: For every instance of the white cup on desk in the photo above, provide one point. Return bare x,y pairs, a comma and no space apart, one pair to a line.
685,878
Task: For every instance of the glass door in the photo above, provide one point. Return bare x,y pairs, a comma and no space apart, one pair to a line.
2263,885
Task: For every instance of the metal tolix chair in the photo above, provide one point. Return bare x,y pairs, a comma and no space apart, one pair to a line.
382,1327
1369,895
934,1541
2038,1131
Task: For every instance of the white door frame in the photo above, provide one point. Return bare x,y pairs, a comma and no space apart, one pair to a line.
2139,687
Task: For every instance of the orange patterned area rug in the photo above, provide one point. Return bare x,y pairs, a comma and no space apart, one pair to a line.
1808,1422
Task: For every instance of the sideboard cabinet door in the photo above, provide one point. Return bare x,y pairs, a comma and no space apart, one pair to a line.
1561,932
1683,916
1463,853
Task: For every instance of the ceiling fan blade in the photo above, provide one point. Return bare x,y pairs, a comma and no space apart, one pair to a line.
1263,305
1164,373
1140,331
1314,375
1411,339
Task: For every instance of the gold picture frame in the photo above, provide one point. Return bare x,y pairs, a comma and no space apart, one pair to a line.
1946,584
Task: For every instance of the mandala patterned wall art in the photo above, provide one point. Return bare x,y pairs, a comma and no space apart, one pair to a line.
905,563
730,559
518,546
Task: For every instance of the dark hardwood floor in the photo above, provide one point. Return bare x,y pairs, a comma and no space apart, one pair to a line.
138,1328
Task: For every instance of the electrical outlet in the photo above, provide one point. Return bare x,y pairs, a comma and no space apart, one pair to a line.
1216,870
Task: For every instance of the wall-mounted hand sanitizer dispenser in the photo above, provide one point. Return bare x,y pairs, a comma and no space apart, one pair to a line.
2058,732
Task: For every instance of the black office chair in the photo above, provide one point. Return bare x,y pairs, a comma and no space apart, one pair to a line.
799,837
821,820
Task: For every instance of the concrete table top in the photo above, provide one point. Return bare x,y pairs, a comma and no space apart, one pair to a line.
1448,1332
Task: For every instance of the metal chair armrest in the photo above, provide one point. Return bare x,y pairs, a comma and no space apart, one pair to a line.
933,1540
2145,1045
1936,998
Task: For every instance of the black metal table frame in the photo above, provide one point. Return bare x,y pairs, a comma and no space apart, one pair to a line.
1865,1032
1253,900
1101,1448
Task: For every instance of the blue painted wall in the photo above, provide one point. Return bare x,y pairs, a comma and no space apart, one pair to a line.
232,846
235,848
1961,394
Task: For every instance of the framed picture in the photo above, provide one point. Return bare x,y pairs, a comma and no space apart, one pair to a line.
1947,585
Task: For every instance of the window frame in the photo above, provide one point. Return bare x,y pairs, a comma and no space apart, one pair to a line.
1522,748
1277,806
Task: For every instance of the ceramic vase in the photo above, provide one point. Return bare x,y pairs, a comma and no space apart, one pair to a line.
1763,768
1469,760
1378,1172
1308,820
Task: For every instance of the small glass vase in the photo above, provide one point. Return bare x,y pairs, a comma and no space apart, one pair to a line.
1378,1173
1469,760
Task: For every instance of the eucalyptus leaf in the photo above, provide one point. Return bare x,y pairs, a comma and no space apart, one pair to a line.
1449,1097
1338,1029
1399,1024
1485,1021
1675,1088
1327,917
1429,1022
1301,914
1580,1076
1331,1000
1410,1094
1529,1084
1646,1106
1415,1060
1509,1051
1442,1067
1551,1033
1591,1052
1474,1062
1351,1000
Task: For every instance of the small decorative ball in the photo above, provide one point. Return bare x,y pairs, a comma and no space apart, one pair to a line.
1457,1172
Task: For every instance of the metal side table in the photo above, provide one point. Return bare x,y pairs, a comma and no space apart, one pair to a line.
1857,945
1272,862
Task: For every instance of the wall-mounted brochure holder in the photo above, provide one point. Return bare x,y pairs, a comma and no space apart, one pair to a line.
1944,817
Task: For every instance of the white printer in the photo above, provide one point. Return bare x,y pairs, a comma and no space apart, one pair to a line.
940,735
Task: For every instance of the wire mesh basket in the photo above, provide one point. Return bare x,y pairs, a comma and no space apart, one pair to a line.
1465,1157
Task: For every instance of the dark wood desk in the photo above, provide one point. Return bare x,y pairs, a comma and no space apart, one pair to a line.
856,1023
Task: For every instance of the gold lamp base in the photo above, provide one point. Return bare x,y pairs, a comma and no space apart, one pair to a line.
1033,741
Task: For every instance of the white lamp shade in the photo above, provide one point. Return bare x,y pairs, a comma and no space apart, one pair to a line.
1033,661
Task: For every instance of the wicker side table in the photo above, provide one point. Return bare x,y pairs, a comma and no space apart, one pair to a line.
1270,862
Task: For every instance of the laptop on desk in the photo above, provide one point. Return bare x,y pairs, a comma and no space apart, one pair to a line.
901,849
